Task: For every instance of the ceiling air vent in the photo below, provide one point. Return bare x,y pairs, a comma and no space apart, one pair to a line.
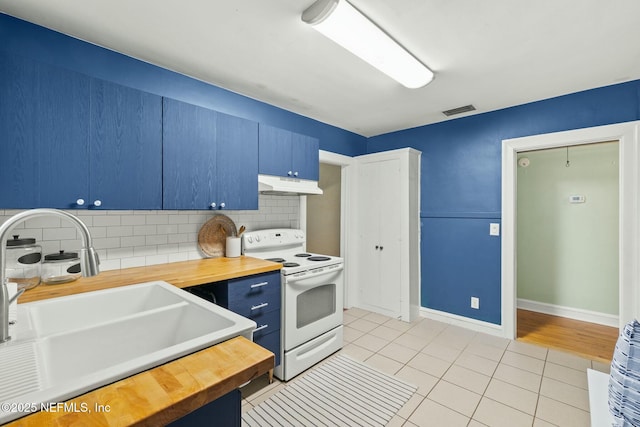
459,110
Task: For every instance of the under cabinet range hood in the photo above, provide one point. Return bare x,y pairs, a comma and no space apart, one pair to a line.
269,184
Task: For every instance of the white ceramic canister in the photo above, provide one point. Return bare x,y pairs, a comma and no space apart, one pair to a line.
233,247
23,264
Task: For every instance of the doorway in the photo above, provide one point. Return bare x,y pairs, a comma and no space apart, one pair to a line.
344,165
323,213
628,231
567,247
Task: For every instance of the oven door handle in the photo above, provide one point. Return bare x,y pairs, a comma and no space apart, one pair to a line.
316,278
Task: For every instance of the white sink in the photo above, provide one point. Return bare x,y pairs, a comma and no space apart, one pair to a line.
64,347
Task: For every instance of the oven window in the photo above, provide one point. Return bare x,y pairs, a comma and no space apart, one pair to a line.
315,304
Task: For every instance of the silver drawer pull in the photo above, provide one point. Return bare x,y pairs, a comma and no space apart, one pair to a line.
259,285
259,328
255,307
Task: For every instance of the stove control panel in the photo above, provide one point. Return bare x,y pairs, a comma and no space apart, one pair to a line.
273,238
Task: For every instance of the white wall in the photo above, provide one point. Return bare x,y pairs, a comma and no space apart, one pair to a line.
139,238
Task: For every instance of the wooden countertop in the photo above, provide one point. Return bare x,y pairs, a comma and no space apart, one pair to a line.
181,274
165,393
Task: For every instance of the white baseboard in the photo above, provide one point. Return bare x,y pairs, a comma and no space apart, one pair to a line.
463,322
570,312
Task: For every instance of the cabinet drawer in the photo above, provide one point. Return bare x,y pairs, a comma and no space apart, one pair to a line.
270,321
256,307
255,289
271,342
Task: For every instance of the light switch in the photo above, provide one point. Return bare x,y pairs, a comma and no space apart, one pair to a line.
494,229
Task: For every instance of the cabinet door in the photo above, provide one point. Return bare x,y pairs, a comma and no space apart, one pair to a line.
189,155
237,162
305,156
274,151
225,411
126,147
379,236
44,132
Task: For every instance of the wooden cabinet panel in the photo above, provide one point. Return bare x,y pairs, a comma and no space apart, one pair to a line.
44,129
189,155
237,167
289,154
305,154
208,158
274,150
68,137
126,147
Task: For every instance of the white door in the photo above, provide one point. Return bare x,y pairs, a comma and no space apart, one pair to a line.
379,236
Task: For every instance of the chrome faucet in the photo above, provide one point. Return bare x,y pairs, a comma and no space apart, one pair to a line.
88,257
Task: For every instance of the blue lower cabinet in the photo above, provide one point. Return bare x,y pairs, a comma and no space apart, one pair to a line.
258,298
270,341
225,411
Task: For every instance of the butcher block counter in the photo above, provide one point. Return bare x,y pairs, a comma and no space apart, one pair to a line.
167,392
181,274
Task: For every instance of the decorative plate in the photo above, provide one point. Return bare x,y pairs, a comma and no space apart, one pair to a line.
212,238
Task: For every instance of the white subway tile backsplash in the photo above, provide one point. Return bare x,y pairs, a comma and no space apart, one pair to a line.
119,231
159,239
44,222
131,262
133,241
127,239
59,233
106,220
144,230
133,219
156,259
158,219
110,264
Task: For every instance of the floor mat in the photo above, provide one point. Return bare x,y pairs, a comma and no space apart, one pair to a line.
341,392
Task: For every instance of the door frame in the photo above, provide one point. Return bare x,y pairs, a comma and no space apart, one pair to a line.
346,208
627,135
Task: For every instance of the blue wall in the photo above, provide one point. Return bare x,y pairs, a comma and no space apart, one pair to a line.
33,41
461,188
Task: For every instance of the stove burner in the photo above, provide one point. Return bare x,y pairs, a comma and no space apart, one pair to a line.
318,258
291,264
280,260
303,255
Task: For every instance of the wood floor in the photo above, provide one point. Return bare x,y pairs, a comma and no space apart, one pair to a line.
585,339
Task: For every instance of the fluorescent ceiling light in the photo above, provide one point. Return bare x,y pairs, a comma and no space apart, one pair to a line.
343,24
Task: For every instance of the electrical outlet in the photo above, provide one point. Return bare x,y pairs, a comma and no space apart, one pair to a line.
494,229
475,302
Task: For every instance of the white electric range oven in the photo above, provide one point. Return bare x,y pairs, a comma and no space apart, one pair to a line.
312,302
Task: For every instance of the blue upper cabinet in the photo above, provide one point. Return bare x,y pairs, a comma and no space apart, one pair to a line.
70,141
209,159
286,153
44,134
126,148
237,167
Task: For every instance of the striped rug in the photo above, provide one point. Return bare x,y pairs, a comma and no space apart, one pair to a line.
341,392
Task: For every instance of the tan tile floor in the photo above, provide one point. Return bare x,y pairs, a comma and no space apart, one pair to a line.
464,378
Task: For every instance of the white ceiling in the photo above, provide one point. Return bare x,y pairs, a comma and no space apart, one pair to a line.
492,53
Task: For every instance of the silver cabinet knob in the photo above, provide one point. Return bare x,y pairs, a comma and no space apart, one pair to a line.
213,204
295,173
290,173
97,203
80,202
222,205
